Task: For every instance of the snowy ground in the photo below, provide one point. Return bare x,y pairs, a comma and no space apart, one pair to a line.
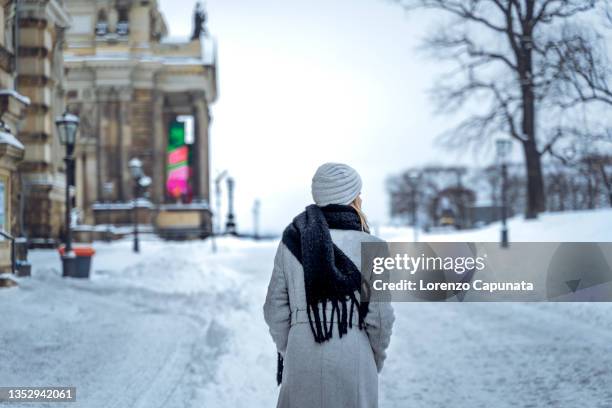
578,226
179,326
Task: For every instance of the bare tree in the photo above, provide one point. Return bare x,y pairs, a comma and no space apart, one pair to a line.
489,180
582,67
424,196
503,49
582,183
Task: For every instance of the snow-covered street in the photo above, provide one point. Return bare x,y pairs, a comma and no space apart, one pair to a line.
179,326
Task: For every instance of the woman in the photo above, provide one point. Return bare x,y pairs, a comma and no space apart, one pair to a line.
333,346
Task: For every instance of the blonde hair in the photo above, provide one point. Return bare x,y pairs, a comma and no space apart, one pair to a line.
362,217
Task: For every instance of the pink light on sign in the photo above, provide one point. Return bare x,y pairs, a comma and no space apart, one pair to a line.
178,182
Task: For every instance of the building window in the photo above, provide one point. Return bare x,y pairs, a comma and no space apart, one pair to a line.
102,23
123,26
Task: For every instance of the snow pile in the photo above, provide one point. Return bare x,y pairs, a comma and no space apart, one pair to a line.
576,226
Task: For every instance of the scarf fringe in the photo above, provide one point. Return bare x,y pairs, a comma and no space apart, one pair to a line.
280,365
322,329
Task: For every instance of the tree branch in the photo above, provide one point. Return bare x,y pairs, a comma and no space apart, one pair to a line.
459,9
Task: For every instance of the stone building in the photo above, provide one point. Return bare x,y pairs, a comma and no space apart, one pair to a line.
40,34
12,150
31,172
139,96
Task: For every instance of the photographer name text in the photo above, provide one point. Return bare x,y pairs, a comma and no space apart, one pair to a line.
477,285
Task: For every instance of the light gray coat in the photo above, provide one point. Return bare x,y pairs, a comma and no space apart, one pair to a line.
341,372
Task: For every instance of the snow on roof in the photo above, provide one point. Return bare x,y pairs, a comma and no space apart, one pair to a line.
9,139
11,92
169,45
174,40
208,58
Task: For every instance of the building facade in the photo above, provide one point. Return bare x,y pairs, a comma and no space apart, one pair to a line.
31,170
12,105
139,96
39,33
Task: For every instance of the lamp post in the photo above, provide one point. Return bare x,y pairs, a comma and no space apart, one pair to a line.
503,147
108,189
230,225
135,166
218,181
217,215
67,127
256,207
415,178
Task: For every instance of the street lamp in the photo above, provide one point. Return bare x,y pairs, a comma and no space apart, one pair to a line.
218,181
504,147
230,225
415,178
256,207
140,181
216,227
135,166
108,188
67,126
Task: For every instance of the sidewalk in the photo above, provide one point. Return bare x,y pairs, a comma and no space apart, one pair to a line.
148,330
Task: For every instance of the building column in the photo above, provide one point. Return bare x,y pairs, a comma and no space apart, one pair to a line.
98,142
140,24
106,150
202,162
40,78
159,149
124,134
90,188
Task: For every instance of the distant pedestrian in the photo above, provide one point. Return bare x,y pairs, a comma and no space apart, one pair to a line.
331,344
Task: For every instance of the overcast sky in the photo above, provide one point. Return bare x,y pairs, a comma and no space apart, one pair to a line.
305,82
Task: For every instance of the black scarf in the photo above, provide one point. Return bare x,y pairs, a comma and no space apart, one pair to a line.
330,277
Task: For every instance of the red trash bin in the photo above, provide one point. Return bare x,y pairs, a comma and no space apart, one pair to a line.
83,256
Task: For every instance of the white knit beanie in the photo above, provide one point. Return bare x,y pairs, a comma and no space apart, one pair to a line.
335,183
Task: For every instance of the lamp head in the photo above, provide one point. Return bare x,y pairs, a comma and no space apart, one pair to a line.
135,166
67,126
144,181
503,147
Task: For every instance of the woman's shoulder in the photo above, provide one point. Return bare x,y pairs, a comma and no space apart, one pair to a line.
352,235
373,238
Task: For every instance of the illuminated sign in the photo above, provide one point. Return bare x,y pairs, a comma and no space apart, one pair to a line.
180,140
